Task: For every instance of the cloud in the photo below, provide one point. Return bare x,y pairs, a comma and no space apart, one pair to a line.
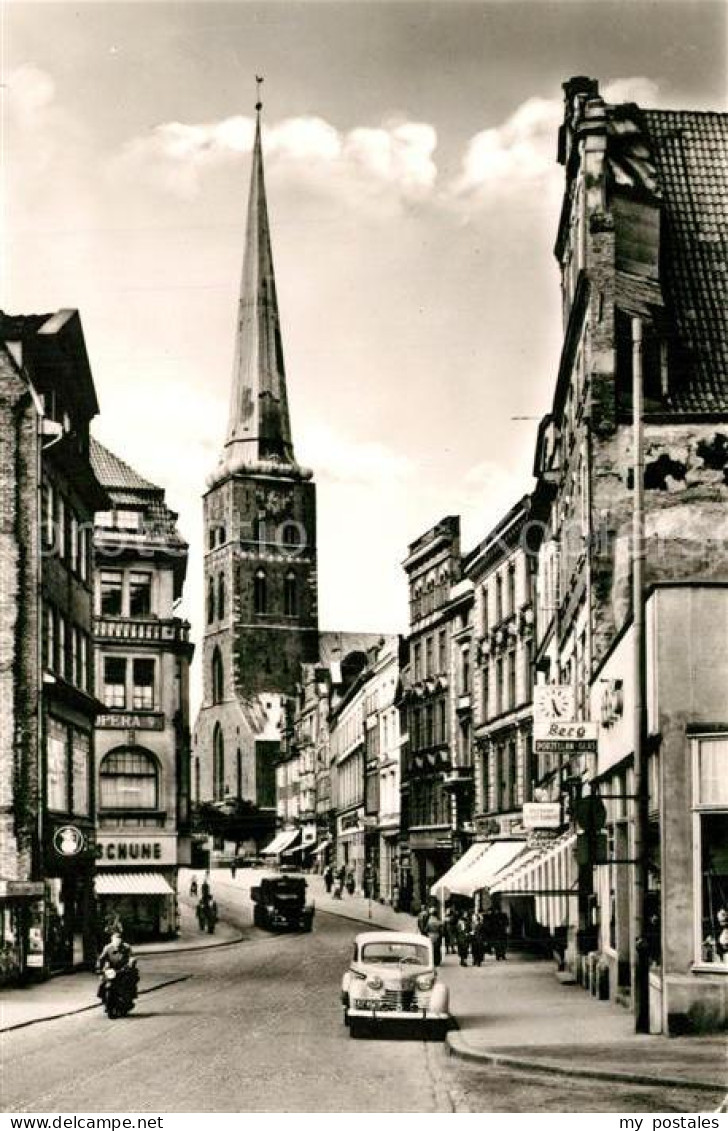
520,153
175,156
343,460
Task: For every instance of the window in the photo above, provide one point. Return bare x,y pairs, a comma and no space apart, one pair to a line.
49,639
140,594
217,677
711,849
292,534
115,682
442,652
498,599
239,771
485,610
289,594
111,590
60,519
80,756
485,693
210,601
57,766
83,680
442,722
260,594
512,678
48,516
218,764
143,690
428,657
511,589
429,724
73,535
84,552
465,672
75,672
61,656
417,662
128,779
499,689
220,597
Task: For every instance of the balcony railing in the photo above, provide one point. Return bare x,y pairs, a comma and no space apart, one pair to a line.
173,631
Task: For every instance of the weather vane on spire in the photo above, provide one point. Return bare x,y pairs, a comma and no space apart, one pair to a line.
258,84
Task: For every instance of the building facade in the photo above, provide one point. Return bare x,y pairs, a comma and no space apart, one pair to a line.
50,493
261,618
143,654
642,225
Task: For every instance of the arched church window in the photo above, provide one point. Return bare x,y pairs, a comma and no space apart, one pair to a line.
218,764
210,601
217,677
260,594
220,597
239,773
290,595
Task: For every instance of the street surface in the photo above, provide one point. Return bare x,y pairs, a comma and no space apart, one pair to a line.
257,1027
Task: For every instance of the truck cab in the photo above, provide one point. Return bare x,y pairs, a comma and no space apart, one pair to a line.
280,904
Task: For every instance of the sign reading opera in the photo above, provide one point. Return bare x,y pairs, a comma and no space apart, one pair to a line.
121,851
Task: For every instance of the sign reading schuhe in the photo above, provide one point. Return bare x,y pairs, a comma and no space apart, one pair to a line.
122,851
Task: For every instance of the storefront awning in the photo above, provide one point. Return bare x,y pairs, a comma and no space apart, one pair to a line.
132,883
281,842
481,875
322,846
296,847
442,887
548,873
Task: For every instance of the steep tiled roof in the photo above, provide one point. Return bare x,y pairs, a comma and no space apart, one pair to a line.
113,473
691,156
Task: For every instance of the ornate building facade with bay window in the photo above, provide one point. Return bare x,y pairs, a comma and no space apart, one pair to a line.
143,654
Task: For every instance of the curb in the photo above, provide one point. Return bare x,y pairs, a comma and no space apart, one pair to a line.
87,1008
461,1049
356,919
186,948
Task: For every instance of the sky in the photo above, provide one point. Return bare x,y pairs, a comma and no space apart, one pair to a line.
413,192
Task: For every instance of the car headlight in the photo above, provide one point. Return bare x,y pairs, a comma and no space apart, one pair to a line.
375,982
425,981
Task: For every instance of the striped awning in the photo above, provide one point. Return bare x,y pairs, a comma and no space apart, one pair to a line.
480,876
441,888
132,883
281,842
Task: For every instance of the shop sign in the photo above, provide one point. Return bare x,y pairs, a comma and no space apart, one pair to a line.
542,815
68,841
115,851
130,720
568,737
22,889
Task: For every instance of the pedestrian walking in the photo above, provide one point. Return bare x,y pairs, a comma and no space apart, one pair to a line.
477,943
500,933
463,939
350,882
450,930
433,930
422,920
233,868
328,878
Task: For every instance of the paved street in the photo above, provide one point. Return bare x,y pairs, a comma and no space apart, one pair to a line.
257,1027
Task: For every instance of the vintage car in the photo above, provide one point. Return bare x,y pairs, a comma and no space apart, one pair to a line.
280,903
392,980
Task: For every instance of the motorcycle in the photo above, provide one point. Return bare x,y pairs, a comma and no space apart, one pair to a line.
118,989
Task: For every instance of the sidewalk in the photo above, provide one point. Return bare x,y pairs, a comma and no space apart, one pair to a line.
75,993
516,1013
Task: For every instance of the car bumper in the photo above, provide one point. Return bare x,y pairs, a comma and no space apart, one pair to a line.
400,1016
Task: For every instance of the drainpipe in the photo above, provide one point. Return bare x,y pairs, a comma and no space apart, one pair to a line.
639,954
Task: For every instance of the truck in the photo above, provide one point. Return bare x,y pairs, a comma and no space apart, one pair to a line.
280,904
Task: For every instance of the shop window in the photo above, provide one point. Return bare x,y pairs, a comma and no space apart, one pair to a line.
140,594
128,779
260,592
80,755
143,689
57,766
115,682
217,677
711,849
111,593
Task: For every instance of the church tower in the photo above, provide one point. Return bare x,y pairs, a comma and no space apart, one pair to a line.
260,616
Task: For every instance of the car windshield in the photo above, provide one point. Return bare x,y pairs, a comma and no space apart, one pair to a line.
396,952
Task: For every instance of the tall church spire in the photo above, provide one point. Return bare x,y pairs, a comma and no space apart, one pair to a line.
259,428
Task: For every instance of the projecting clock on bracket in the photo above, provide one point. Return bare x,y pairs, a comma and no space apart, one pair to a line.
554,701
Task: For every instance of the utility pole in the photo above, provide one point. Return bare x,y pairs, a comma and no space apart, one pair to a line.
639,954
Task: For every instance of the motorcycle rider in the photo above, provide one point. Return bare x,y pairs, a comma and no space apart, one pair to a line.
117,955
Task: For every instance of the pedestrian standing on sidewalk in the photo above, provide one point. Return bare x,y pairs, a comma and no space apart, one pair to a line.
500,932
450,930
477,944
350,882
328,878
